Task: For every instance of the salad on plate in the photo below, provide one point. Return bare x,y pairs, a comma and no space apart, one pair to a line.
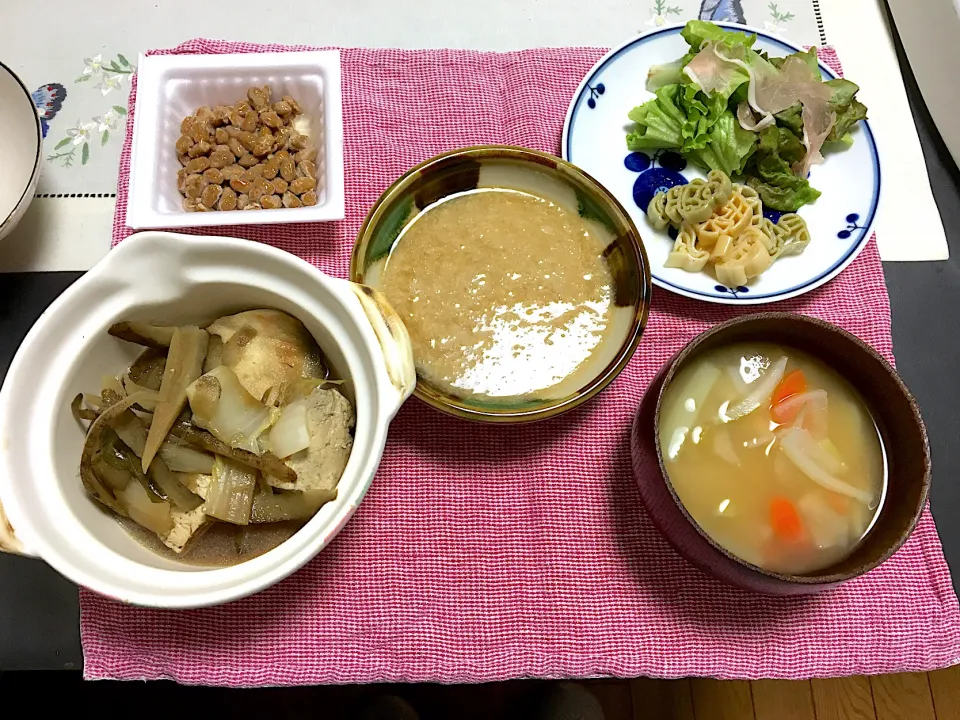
763,121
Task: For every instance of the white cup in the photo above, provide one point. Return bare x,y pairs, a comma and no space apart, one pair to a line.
21,147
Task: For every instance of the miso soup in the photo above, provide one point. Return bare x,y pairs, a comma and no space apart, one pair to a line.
505,295
774,455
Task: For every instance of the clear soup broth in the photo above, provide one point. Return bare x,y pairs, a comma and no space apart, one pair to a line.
774,455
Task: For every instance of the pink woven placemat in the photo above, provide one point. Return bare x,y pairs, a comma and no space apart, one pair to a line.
486,553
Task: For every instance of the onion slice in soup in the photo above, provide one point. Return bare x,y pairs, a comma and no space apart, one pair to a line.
804,452
760,393
682,417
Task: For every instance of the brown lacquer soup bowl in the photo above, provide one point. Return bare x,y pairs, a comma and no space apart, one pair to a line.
894,411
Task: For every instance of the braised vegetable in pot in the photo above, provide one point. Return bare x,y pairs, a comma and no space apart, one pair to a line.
235,425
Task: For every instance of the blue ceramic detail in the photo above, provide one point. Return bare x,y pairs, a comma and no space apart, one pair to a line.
671,160
736,292
651,182
654,179
773,215
595,92
637,161
853,223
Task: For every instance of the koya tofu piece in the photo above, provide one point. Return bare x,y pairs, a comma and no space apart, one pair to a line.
186,524
330,418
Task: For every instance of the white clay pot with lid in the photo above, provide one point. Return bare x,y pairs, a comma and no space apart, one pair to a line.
165,277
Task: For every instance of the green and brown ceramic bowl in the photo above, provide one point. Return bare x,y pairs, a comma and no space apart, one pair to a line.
544,176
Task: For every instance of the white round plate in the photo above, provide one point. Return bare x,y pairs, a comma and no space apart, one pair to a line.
594,139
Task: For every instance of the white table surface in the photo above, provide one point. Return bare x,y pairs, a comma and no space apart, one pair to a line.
61,41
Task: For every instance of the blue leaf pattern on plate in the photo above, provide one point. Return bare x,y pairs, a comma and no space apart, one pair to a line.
654,179
853,223
595,92
735,292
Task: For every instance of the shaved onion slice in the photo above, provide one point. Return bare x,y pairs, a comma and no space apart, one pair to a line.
762,390
812,407
803,451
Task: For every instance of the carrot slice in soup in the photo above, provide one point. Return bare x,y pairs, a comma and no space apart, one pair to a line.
793,383
785,520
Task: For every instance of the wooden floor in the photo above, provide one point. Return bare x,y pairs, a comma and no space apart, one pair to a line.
908,696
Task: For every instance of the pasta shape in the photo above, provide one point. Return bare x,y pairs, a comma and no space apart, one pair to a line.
721,249
774,235
690,203
756,204
747,259
696,201
671,207
720,186
721,223
686,255
796,234
657,212
729,219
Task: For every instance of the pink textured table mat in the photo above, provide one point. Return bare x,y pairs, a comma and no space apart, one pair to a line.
486,553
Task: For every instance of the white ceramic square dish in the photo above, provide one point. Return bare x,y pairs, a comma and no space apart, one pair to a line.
170,87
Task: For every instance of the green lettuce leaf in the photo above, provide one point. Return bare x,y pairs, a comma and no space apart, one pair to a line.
702,113
849,110
679,117
771,175
659,122
697,32
729,146
847,117
831,146
784,197
792,120
844,91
